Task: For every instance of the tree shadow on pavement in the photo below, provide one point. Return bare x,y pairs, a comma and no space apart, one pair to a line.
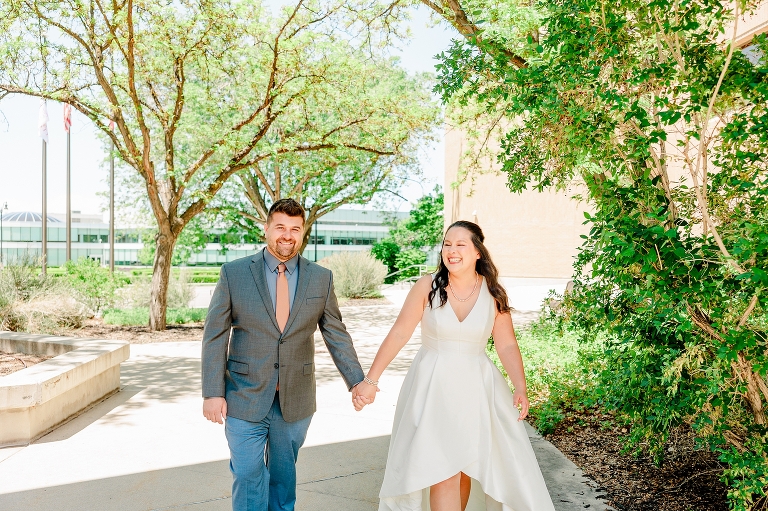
344,476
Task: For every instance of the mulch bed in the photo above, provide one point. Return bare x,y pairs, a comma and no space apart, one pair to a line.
12,362
687,480
96,328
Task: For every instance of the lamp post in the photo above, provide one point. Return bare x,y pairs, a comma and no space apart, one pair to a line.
3,208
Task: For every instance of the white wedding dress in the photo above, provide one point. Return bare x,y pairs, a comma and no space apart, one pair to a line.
455,414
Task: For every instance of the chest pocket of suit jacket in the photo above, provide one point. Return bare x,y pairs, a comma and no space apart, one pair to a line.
316,301
308,369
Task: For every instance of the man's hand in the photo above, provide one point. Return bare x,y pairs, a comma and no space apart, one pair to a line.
363,394
215,409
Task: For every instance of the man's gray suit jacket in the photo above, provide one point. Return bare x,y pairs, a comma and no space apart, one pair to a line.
244,366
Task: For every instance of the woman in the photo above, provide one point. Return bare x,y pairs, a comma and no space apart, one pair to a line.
457,441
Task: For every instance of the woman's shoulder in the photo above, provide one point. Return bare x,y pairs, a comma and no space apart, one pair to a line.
425,282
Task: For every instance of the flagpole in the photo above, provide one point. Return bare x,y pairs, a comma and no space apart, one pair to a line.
42,123
45,207
112,206
67,126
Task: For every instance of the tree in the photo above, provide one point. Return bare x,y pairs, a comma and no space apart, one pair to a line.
193,88
386,115
653,110
405,244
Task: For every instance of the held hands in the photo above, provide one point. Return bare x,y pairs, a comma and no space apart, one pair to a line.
363,394
520,399
215,409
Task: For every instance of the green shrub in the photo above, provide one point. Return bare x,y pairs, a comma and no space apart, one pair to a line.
355,274
94,284
407,258
139,316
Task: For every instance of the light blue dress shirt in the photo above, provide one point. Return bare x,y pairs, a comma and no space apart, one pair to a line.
291,272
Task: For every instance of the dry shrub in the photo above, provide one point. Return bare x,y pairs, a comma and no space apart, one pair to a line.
37,303
355,274
138,293
50,313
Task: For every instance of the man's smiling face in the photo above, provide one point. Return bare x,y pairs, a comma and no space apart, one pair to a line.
284,235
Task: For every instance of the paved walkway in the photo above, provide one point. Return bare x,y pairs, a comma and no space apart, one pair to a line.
149,448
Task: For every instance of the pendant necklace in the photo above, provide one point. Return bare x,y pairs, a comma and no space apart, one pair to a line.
477,279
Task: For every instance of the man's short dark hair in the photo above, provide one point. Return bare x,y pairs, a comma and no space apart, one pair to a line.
287,206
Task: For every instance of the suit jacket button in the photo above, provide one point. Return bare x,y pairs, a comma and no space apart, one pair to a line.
277,366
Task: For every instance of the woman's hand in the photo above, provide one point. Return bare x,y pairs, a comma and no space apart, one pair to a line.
521,401
363,394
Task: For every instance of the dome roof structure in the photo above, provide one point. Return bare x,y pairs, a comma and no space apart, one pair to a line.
28,217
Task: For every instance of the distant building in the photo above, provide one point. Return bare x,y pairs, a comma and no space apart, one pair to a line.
339,231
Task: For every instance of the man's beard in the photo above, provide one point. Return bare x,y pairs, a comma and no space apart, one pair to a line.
283,251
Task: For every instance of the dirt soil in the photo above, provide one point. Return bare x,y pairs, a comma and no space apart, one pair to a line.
12,362
688,479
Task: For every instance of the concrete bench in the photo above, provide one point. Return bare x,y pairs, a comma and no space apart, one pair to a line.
37,399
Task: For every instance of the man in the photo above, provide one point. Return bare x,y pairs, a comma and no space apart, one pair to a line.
262,376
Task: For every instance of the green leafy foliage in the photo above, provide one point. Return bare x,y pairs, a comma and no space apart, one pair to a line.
202,91
94,284
408,238
650,111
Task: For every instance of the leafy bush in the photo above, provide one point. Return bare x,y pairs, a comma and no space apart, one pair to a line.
407,258
138,293
355,274
94,284
37,303
140,316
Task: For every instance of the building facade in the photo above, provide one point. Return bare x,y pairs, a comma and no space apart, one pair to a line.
339,231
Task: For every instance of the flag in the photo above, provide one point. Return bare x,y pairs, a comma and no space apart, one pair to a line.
67,117
42,120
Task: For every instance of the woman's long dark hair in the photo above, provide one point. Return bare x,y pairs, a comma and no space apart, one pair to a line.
484,266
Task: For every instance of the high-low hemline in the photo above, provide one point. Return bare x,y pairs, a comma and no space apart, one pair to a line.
455,409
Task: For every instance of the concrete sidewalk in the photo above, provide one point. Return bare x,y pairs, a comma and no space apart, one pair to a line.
149,448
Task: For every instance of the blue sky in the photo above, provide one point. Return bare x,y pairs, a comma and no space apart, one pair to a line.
20,145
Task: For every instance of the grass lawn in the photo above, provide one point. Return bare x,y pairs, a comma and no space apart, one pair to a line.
140,316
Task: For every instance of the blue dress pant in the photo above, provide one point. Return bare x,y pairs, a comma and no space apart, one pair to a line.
263,460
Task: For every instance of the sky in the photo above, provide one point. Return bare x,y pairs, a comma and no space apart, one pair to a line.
20,144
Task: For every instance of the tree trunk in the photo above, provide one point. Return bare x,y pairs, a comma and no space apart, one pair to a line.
307,235
743,371
161,275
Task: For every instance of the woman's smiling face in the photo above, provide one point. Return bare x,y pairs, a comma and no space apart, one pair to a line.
459,253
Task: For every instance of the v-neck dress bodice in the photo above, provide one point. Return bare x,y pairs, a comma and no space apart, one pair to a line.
455,413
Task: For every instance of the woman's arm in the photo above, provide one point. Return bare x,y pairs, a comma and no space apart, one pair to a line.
509,354
399,334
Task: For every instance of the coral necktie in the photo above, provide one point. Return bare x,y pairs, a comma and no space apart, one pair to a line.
282,302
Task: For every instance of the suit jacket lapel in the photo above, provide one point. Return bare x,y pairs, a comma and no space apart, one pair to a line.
257,270
301,291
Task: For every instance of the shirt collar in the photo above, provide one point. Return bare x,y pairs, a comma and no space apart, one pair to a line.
273,262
